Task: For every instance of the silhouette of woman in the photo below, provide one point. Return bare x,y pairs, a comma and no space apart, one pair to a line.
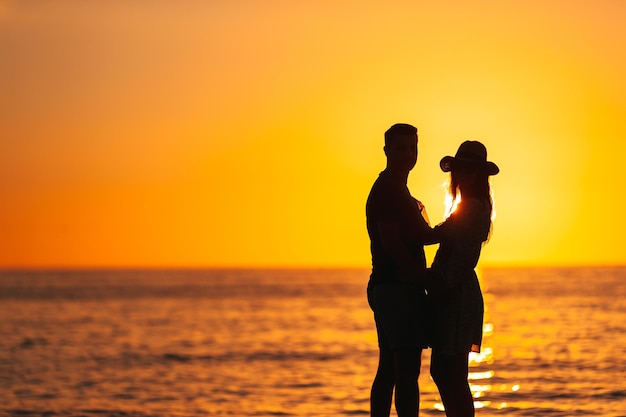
454,291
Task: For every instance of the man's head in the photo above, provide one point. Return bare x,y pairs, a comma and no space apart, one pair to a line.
401,147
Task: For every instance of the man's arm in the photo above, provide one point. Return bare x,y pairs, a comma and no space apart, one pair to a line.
410,269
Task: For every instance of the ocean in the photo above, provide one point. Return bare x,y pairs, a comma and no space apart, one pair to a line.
292,343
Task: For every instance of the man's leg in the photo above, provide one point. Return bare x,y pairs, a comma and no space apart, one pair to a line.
407,363
382,387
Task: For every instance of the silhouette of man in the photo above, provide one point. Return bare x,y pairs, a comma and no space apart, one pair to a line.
397,232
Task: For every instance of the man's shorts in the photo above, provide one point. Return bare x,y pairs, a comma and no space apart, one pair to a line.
400,312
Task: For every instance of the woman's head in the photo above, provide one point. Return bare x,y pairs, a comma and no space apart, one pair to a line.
469,172
470,181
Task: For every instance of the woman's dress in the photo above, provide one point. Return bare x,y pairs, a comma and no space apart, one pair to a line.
454,291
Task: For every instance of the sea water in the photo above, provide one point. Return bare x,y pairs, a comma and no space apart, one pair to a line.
292,343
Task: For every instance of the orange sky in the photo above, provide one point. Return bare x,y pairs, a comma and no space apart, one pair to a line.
249,133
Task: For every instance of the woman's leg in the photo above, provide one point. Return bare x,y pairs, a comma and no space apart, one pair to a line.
450,375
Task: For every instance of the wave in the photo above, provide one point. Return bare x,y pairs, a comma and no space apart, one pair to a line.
253,357
18,412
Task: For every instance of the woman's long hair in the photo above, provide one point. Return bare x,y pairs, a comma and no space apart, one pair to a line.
479,189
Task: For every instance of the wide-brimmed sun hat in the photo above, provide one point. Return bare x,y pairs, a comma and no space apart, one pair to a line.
470,152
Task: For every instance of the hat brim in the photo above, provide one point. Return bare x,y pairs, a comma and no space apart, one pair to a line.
447,164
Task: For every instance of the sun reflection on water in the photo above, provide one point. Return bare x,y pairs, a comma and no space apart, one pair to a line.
479,378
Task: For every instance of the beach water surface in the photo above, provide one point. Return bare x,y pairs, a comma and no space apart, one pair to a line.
292,343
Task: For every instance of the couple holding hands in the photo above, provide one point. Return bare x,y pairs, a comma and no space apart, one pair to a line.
416,307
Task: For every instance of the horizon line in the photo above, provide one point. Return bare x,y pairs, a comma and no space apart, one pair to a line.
502,265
